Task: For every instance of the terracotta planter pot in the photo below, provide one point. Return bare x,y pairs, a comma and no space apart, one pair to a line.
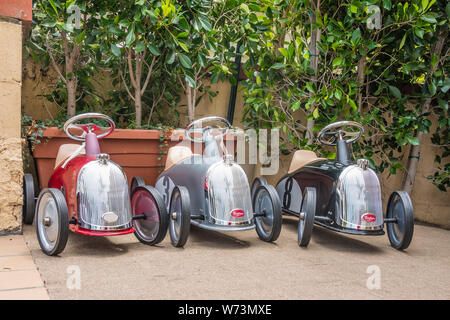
136,151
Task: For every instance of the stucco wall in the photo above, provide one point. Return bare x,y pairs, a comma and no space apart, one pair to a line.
10,141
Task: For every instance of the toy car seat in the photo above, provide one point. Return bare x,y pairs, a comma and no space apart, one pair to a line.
301,158
65,151
177,154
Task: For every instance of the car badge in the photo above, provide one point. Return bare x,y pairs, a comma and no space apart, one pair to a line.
368,217
238,213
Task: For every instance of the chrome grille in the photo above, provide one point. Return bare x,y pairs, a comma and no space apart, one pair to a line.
102,191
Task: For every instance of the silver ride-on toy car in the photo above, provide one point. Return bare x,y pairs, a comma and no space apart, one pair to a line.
342,195
211,191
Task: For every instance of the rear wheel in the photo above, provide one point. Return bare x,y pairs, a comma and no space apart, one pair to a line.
256,183
152,228
136,182
28,206
179,216
52,221
307,213
400,208
267,208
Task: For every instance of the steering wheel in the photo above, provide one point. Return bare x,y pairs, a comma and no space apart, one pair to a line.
336,130
90,127
216,123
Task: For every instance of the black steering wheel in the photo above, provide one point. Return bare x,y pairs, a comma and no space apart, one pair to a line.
341,129
214,123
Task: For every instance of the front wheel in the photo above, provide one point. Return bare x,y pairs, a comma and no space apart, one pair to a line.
401,209
307,213
179,216
149,215
52,221
267,208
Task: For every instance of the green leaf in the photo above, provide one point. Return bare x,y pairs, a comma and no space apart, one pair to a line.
245,8
277,66
432,89
419,32
428,18
356,36
139,47
402,43
316,113
387,4
131,37
80,37
189,81
447,10
395,92
296,105
185,60
353,8
67,27
52,3
115,50
337,62
284,52
153,49
414,141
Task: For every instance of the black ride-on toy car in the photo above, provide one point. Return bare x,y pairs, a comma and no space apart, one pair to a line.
341,195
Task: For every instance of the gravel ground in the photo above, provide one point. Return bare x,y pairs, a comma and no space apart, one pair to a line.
238,265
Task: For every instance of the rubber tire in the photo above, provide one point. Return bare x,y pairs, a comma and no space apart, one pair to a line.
162,213
63,219
185,216
309,208
277,216
260,181
136,182
29,202
409,221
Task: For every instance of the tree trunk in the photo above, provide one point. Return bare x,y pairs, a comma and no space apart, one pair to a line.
138,107
361,69
414,152
190,103
314,60
71,98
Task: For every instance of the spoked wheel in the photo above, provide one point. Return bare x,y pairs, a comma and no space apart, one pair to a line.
267,208
400,208
307,213
28,199
179,216
149,212
52,221
256,183
136,182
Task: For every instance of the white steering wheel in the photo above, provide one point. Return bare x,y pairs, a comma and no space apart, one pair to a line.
90,127
336,129
214,123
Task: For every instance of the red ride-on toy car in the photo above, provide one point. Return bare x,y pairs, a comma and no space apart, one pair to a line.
88,194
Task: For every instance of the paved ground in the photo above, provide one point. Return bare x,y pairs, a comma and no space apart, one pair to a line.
19,278
239,266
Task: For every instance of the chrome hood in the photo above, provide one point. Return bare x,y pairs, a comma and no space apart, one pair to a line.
102,197
358,194
228,195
